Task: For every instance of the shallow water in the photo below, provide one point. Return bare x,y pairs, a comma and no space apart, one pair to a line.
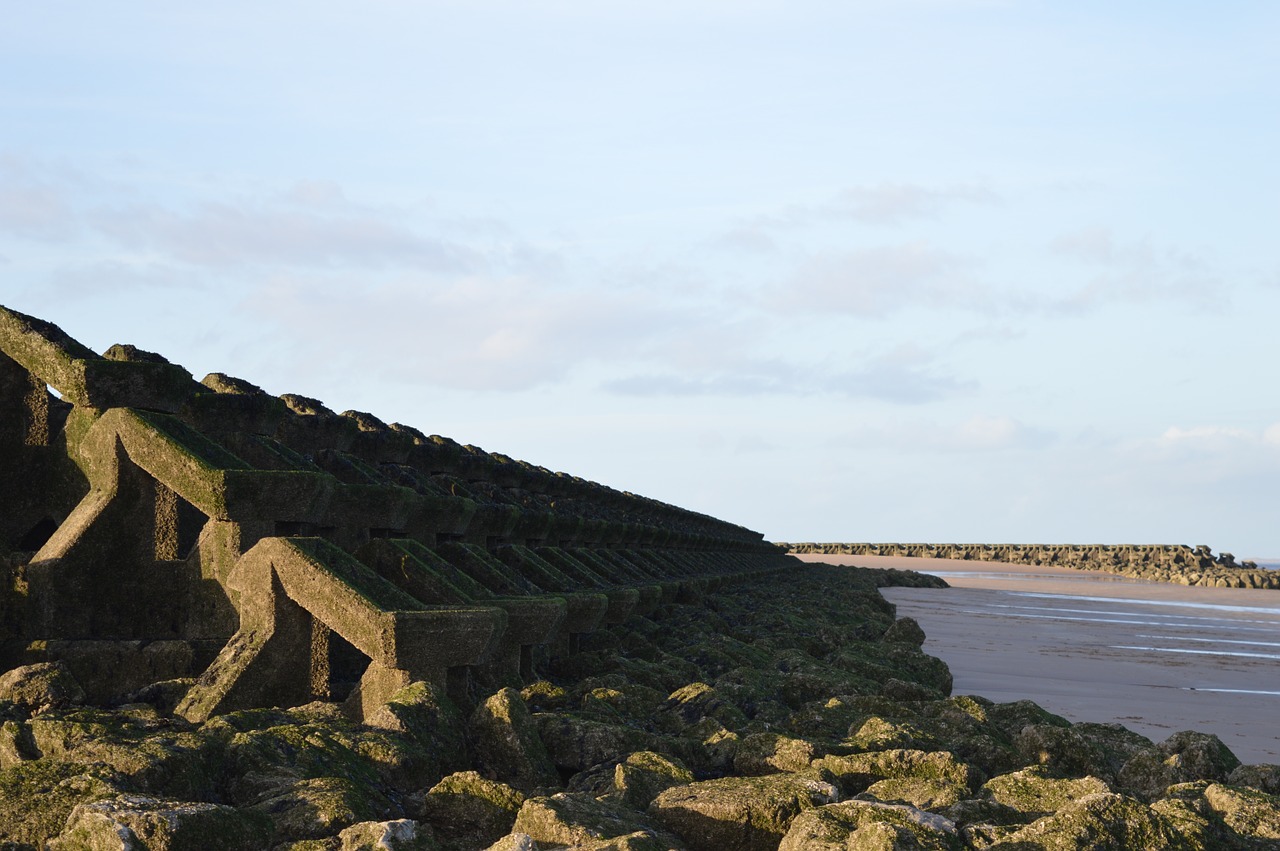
1155,657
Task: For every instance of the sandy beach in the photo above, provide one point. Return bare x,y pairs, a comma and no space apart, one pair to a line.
1155,657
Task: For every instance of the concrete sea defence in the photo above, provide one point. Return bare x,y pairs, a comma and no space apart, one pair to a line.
237,621
1176,563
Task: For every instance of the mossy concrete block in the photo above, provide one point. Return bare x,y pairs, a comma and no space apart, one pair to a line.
129,822
748,813
467,808
506,742
1104,821
37,688
870,826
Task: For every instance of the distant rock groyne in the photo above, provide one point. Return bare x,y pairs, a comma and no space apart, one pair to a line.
1176,563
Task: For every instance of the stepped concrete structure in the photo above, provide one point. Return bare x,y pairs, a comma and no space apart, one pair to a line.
266,551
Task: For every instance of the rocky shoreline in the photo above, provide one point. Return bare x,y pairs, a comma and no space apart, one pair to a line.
788,711
1177,563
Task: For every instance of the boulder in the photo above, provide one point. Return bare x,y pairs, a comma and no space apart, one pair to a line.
1104,820
423,712
857,772
905,631
858,825
747,813
135,822
40,687
322,806
573,818
1183,757
36,798
769,753
1246,811
398,835
507,744
575,744
466,806
1034,792
644,775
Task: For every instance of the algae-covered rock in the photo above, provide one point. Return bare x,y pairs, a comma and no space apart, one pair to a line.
397,835
904,631
689,704
925,793
470,810
423,713
769,753
1263,777
37,797
130,822
644,775
1034,792
1248,812
321,806
571,818
16,744
514,842
575,743
748,813
870,826
1083,749
506,743
40,687
856,772
1104,821
1181,758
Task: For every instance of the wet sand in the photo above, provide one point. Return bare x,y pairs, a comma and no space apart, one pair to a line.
1089,646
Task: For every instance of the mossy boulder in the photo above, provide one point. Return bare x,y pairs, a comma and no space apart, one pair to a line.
321,806
40,687
644,775
855,773
423,714
135,821
1248,812
576,743
922,792
37,797
470,811
1183,757
1034,792
870,826
770,753
506,743
904,631
1104,821
748,813
395,835
572,818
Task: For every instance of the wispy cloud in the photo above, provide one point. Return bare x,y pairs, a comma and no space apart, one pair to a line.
1136,271
33,204
881,280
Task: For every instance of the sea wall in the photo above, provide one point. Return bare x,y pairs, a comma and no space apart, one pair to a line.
267,551
1176,563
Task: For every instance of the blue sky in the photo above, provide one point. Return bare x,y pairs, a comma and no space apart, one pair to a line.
914,270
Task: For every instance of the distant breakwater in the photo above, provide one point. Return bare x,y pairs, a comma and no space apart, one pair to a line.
1175,563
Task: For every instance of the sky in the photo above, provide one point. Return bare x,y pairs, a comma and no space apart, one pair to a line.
870,270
